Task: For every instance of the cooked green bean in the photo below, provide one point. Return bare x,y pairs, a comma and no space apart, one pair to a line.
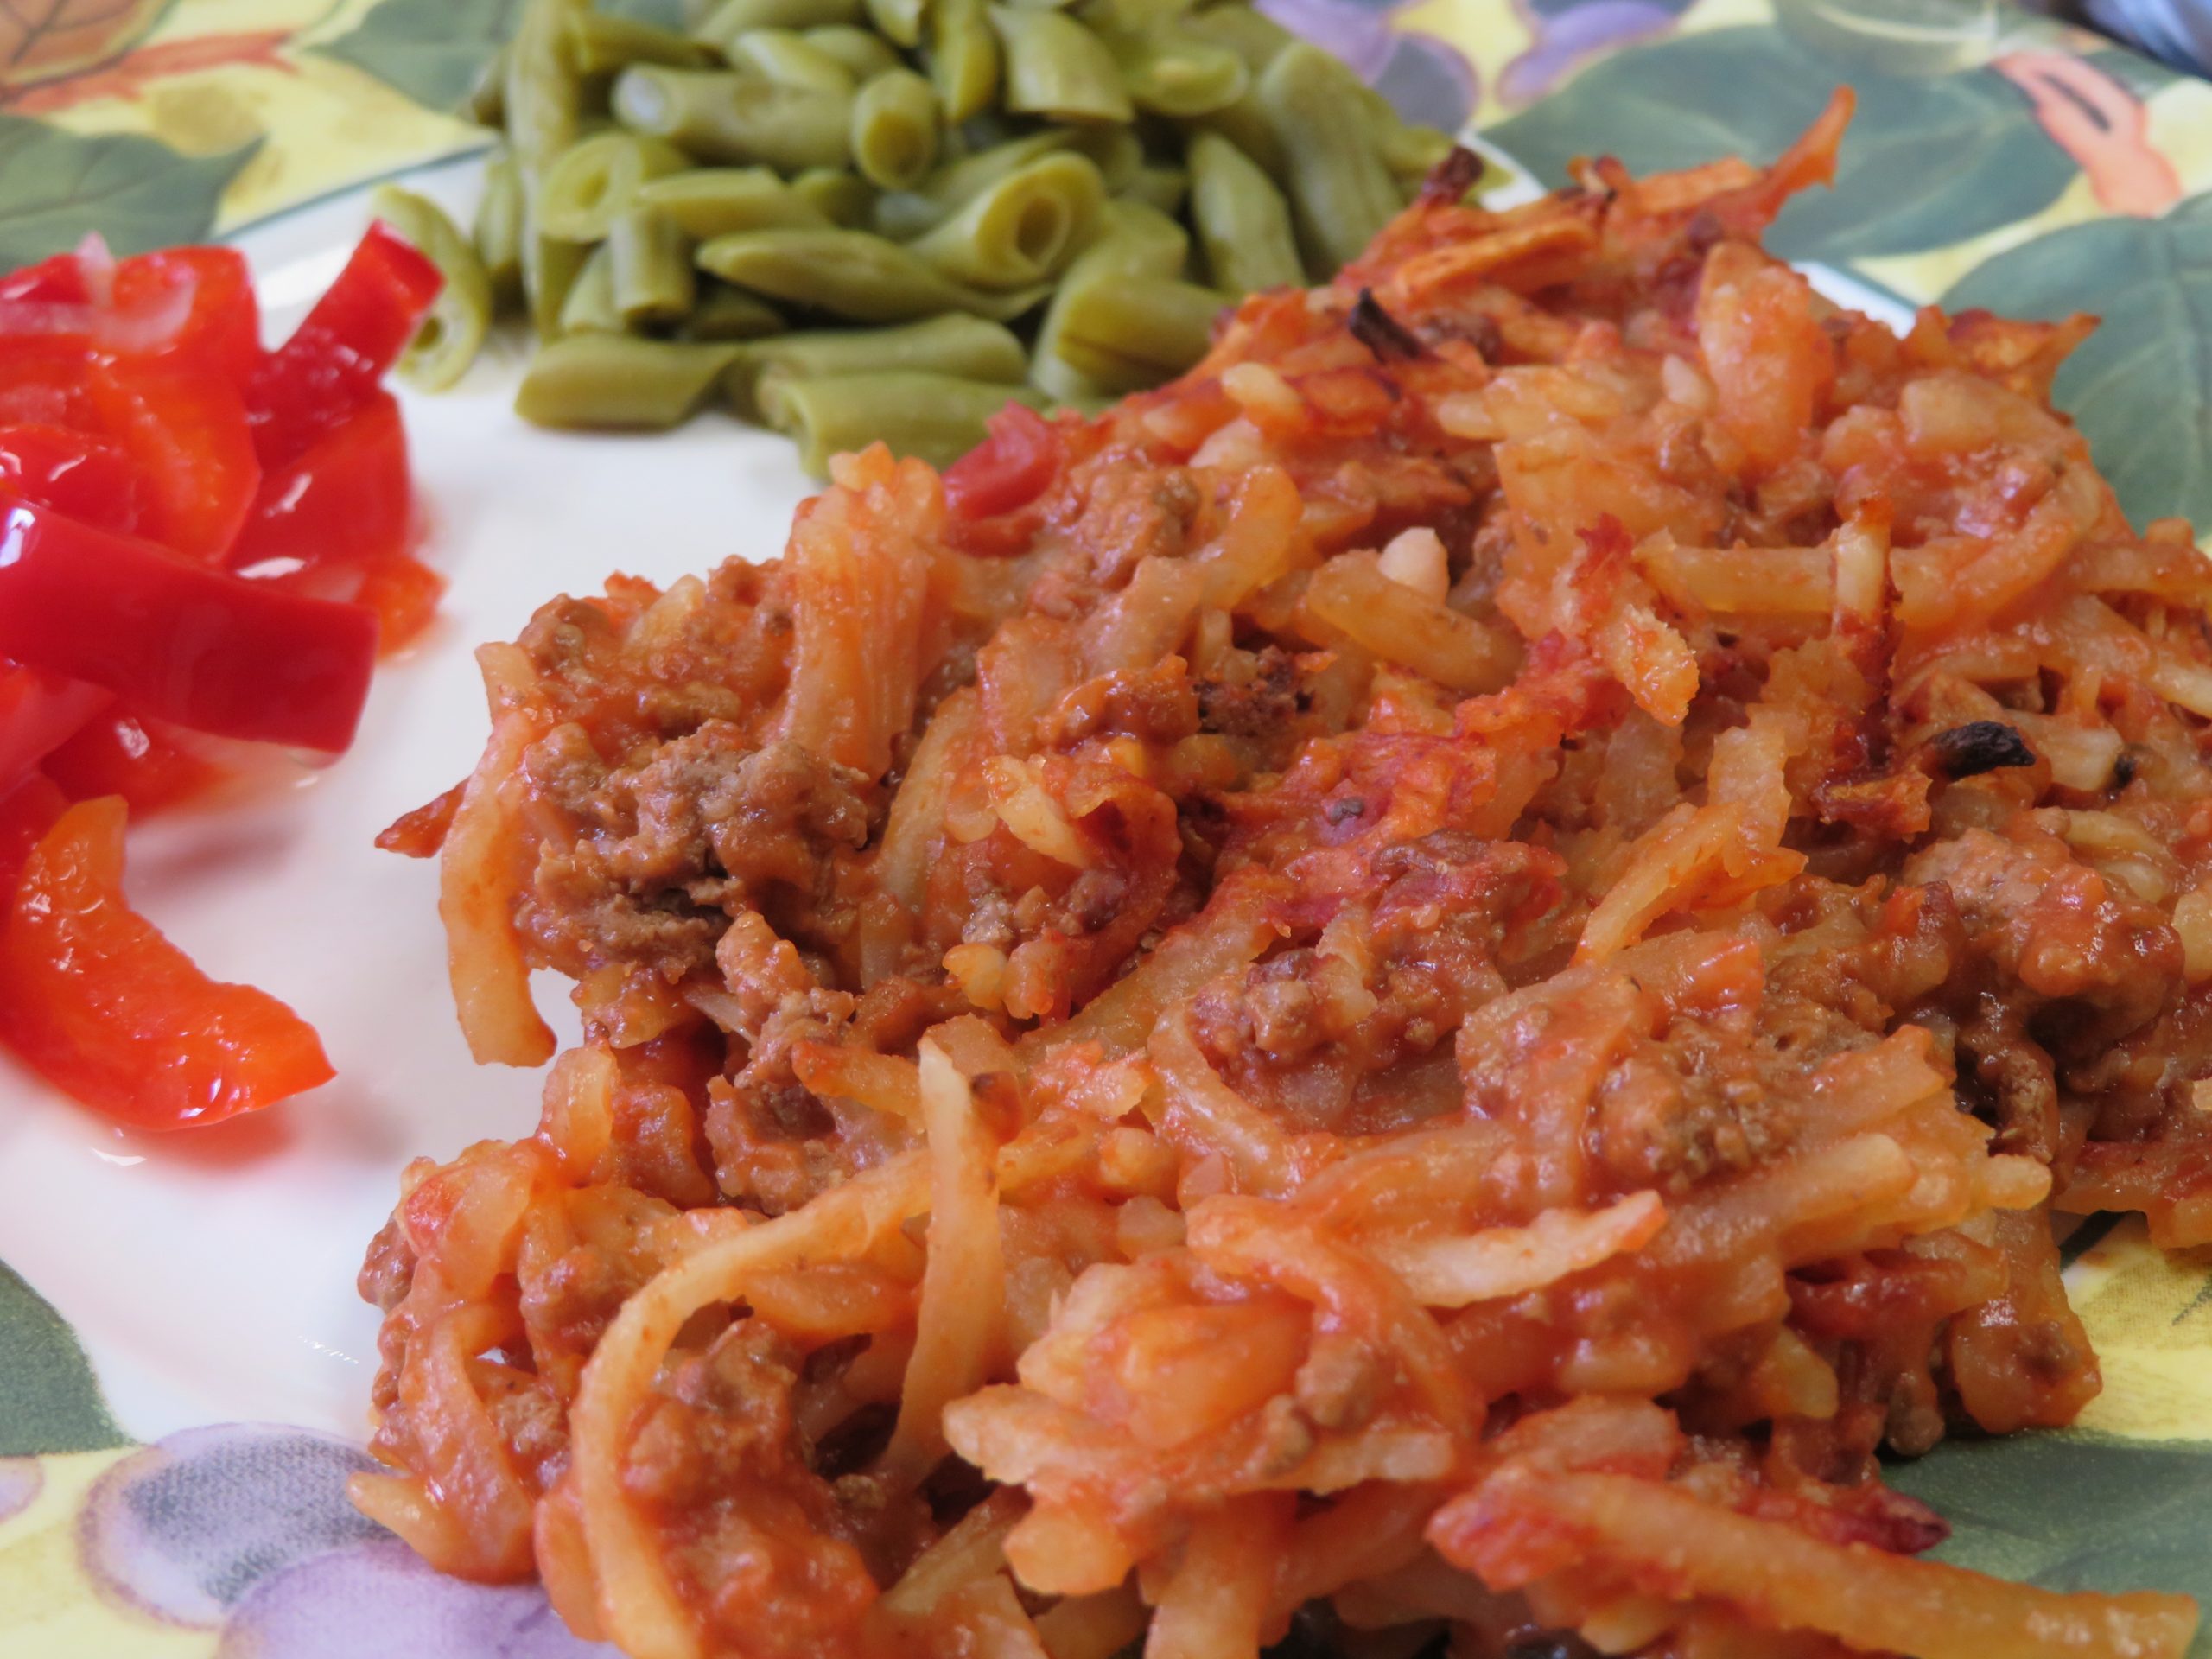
452,330
549,270
1137,238
727,313
1249,33
865,53
1340,192
1076,391
896,130
934,417
1164,187
1133,16
722,116
1170,72
1245,124
907,214
733,17
1057,69
598,178
1135,243
899,20
1022,230
981,132
903,215
602,42
618,381
498,229
485,101
650,257
1407,151
1127,333
923,172
1257,39
540,93
1243,220
851,273
1380,109
589,306
787,57
1413,153
1117,152
840,198
964,58
710,202
965,347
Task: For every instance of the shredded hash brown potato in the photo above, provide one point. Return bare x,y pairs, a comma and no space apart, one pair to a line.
1431,999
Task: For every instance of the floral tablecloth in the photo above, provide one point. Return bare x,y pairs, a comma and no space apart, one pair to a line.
1996,161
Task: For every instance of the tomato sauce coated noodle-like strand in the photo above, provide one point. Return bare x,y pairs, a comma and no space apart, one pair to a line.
490,980
962,1287
1874,1601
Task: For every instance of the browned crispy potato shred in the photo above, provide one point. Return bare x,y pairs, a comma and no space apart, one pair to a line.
1435,995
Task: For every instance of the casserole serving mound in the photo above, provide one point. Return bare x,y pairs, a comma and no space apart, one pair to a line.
1431,982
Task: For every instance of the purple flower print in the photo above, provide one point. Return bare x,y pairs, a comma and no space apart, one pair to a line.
20,1481
1429,82
381,1599
1565,38
183,1529
246,1528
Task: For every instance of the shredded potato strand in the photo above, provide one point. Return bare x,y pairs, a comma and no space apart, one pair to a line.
955,1331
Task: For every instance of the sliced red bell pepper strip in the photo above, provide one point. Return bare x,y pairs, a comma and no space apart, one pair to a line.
102,1005
404,594
219,330
178,641
186,433
346,499
57,280
39,713
118,752
42,383
331,366
27,810
88,478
